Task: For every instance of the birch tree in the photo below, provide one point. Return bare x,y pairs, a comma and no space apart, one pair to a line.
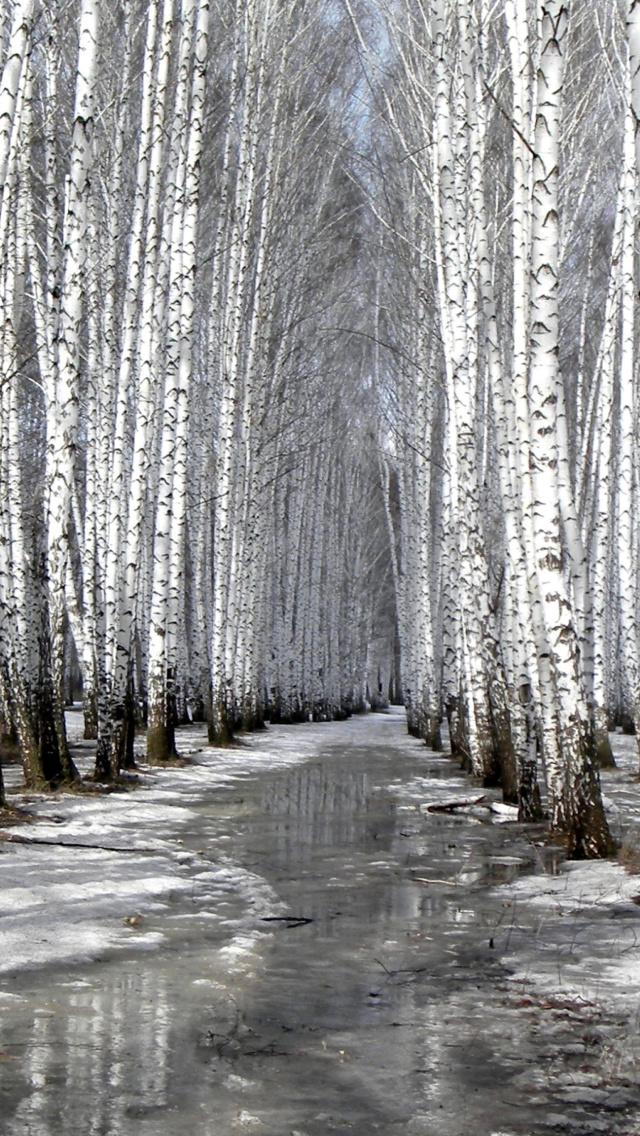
568,732
168,549
63,393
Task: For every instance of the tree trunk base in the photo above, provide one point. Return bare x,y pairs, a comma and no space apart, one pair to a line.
220,731
161,748
432,734
604,752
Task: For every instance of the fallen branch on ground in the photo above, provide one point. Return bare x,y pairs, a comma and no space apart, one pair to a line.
14,838
450,806
291,921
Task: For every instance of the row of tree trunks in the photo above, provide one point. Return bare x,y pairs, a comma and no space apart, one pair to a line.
178,235
516,568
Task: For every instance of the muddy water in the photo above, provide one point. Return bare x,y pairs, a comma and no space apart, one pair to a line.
372,1001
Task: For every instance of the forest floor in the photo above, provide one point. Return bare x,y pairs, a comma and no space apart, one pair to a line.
291,937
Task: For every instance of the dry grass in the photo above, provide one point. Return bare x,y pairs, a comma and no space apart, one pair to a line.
629,854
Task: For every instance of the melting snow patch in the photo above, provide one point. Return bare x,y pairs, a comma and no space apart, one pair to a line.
235,1082
241,952
246,1119
504,812
63,903
579,885
576,934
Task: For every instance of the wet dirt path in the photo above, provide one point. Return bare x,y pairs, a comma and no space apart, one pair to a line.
372,996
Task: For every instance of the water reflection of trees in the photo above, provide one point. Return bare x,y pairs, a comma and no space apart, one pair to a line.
99,1063
310,808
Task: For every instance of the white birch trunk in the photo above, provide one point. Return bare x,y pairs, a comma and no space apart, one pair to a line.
61,447
168,552
572,779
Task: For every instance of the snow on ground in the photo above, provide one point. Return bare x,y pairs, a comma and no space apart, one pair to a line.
62,904
577,933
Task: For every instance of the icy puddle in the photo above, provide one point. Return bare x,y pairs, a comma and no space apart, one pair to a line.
338,959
